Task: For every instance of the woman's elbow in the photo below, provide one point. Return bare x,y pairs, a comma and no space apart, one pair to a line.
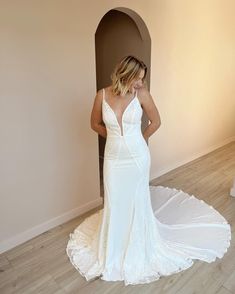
93,125
157,124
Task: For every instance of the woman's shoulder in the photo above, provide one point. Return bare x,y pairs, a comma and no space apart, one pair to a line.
103,92
104,89
143,91
143,94
108,88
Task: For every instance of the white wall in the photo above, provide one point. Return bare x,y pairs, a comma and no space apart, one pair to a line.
48,153
193,63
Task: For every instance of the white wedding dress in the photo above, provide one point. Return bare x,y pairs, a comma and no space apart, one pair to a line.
143,232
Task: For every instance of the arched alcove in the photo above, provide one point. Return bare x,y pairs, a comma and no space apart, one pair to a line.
120,32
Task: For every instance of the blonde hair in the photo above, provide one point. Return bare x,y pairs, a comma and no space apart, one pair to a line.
126,70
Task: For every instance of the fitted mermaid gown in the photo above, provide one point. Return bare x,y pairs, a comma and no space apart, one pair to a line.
143,232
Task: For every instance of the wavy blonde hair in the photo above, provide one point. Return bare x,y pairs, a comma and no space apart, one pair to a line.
125,72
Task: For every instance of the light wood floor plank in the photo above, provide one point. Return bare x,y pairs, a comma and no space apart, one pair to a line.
223,290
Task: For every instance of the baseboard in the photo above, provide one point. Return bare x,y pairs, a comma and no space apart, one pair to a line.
193,157
19,239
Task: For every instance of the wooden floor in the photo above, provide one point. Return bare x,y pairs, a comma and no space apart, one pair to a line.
42,266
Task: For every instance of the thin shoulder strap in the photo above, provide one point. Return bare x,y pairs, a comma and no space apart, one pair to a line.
103,93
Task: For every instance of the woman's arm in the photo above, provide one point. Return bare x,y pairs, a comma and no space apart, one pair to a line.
151,111
96,120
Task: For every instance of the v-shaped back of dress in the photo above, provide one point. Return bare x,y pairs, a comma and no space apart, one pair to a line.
130,120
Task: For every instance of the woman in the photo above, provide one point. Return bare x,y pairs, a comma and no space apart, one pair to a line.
143,232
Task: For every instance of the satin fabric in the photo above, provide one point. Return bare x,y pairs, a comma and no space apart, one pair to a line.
143,232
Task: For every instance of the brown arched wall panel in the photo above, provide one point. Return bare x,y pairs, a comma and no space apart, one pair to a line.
120,32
